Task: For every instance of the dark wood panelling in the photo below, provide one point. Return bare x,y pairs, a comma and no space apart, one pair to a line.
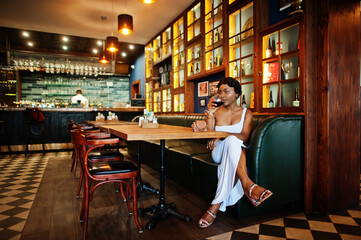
338,106
310,93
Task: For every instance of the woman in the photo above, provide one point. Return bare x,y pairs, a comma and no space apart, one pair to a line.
230,152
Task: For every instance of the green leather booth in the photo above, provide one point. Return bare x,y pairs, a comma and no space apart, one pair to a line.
274,161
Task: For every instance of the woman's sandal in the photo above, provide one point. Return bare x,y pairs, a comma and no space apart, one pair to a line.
264,196
204,223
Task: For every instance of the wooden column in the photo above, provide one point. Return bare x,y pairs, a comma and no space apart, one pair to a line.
332,167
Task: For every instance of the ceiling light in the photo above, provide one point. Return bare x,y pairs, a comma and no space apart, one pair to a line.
112,44
124,54
99,43
30,44
65,39
104,58
65,47
95,50
147,1
131,46
25,34
125,24
132,66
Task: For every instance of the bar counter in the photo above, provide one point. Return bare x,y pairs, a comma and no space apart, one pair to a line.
56,120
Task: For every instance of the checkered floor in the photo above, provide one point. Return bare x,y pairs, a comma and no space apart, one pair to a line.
20,178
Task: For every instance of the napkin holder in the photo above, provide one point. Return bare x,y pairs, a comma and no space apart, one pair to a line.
149,125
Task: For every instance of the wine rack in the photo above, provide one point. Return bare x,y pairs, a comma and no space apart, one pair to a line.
241,51
281,68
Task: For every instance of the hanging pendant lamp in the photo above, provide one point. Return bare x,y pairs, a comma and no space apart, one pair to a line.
104,58
112,44
125,24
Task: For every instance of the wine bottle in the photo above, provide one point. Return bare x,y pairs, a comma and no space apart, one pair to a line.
210,40
218,60
269,49
197,68
244,105
191,71
235,71
271,104
216,36
192,55
296,101
210,64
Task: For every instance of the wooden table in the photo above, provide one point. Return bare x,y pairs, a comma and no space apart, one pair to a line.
164,132
100,123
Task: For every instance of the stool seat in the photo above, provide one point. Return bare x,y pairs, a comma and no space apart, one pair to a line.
104,168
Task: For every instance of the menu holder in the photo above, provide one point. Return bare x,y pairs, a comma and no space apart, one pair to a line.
150,125
270,72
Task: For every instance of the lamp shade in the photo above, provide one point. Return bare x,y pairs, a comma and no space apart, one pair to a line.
125,24
104,58
112,44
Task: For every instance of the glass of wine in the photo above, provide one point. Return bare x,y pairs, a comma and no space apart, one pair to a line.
217,101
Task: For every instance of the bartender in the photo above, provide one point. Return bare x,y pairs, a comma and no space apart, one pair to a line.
79,98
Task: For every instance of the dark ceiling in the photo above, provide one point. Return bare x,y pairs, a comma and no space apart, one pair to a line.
12,39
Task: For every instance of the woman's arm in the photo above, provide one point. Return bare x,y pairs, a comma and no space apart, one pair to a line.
247,127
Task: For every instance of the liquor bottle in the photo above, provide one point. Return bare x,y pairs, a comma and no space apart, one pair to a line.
194,15
269,49
197,68
296,101
216,36
218,60
235,71
210,63
181,58
210,40
198,53
191,71
271,104
244,105
221,34
192,55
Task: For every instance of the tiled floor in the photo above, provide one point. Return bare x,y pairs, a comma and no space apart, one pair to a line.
20,178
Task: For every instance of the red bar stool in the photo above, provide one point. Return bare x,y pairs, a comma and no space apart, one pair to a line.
99,173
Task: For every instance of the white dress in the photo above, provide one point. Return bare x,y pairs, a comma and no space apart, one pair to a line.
227,154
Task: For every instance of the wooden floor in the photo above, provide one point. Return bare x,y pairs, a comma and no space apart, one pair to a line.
55,212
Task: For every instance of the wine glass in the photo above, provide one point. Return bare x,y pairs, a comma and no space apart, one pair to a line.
287,67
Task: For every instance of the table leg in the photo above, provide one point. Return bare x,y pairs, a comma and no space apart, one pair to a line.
143,185
162,209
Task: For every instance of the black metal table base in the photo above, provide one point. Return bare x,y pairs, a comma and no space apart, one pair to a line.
146,186
160,210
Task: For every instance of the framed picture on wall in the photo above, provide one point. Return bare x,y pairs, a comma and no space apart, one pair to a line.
202,102
203,89
213,90
285,4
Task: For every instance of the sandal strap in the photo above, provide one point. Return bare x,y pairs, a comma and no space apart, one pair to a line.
263,194
212,214
251,189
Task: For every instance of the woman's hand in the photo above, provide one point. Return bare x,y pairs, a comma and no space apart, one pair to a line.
211,144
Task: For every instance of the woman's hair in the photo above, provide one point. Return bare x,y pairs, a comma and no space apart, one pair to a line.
232,83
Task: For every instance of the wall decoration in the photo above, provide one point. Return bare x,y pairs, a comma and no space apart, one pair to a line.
202,102
203,89
213,90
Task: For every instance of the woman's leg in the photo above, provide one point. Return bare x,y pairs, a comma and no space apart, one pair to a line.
243,176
